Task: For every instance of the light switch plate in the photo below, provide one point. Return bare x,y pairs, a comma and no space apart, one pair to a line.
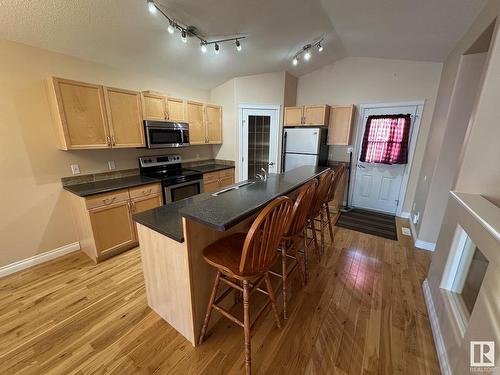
111,165
75,169
406,231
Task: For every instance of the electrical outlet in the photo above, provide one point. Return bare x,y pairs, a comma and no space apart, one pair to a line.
416,217
75,169
111,165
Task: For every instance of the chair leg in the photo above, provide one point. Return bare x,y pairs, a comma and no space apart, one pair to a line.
297,254
315,237
273,299
322,232
305,255
329,219
246,327
209,309
284,276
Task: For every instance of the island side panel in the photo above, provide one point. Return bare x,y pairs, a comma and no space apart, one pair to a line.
166,275
199,236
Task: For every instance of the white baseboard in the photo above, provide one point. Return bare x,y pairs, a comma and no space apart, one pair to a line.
404,215
423,245
442,355
37,259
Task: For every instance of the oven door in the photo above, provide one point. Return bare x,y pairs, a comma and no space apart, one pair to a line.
161,137
177,192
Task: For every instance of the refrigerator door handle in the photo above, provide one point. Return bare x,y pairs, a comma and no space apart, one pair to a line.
284,152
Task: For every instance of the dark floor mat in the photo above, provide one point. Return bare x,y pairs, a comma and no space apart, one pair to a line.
369,222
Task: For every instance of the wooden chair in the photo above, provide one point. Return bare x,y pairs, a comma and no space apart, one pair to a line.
294,235
325,181
339,172
246,259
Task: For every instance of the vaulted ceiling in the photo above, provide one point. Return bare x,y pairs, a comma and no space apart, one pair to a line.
124,34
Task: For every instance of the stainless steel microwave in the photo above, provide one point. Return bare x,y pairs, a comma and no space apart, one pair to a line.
162,134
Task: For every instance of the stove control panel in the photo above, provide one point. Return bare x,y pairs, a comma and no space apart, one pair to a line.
157,160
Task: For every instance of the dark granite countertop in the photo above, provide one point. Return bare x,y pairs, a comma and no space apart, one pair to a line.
97,187
207,168
228,209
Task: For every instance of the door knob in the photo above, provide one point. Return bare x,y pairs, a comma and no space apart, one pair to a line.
271,163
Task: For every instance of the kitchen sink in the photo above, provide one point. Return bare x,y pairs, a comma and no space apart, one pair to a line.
226,190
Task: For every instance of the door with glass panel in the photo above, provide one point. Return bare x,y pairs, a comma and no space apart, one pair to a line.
259,142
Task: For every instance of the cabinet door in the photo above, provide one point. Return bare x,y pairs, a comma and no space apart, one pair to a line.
146,203
211,186
112,227
176,109
339,129
79,110
316,114
154,106
196,119
124,110
214,124
226,181
293,116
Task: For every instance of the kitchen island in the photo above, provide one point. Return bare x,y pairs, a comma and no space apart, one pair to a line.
172,238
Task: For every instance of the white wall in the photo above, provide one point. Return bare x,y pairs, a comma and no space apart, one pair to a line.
356,80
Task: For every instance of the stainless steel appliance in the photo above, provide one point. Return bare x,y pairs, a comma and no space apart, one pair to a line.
304,146
162,134
177,183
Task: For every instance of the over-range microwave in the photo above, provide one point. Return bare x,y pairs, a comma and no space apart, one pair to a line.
162,134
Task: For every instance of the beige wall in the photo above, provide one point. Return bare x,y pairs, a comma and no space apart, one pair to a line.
356,80
35,216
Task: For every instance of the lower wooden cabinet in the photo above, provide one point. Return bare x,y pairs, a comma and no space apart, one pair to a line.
214,181
104,221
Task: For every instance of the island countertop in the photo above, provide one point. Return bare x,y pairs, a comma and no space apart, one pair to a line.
227,209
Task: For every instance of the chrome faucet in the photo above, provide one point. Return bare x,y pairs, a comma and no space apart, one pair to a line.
264,175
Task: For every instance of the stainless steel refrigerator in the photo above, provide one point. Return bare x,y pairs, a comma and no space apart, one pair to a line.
304,146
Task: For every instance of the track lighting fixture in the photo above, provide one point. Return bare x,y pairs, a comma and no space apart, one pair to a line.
306,51
191,31
151,6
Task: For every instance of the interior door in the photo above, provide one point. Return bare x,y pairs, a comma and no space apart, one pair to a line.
377,186
259,142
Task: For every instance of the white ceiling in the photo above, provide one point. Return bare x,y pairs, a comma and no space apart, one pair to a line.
124,34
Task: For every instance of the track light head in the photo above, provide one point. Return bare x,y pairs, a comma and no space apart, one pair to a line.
238,45
217,49
307,55
171,27
151,6
320,48
184,36
203,47
295,61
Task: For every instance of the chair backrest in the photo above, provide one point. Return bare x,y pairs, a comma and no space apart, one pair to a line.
301,208
339,171
325,181
260,249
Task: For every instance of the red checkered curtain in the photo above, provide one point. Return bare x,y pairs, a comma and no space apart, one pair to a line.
386,139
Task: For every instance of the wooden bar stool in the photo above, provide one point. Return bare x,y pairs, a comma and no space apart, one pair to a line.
325,181
339,172
294,235
247,258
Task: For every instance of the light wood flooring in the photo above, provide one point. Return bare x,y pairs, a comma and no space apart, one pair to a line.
362,312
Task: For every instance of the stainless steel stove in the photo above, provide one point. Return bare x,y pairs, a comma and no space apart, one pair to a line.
177,182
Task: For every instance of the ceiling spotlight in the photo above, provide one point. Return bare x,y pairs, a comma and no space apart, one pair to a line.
203,47
320,48
238,45
183,36
171,27
307,55
217,49
151,6
295,61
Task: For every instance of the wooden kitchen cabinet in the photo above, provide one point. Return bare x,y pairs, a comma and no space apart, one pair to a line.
308,115
340,127
196,118
79,113
176,109
124,110
214,181
104,221
154,106
214,123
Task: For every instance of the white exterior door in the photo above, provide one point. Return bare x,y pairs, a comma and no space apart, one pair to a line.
377,186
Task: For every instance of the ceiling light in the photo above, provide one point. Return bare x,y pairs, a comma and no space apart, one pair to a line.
238,45
203,48
320,48
183,36
307,55
217,49
151,6
171,27
295,61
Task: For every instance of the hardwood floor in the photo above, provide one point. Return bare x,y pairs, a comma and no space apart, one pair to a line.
362,312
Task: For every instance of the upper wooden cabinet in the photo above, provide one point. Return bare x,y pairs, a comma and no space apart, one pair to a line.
176,109
80,114
154,107
205,123
309,115
124,109
339,129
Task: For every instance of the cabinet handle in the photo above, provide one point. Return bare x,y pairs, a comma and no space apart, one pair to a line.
108,140
146,192
131,205
113,140
108,200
